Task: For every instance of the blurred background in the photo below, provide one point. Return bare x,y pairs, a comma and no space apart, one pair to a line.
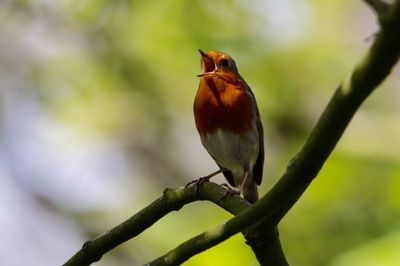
96,120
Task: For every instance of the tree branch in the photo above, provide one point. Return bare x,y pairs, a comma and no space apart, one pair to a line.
368,74
171,200
266,245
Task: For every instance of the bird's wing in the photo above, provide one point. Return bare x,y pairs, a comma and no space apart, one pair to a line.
259,165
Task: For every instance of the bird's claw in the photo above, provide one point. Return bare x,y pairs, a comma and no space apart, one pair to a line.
229,191
198,182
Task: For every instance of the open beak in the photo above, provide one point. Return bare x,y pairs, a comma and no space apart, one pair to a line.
206,74
203,54
209,66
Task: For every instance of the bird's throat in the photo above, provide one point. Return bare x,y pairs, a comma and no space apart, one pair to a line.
221,105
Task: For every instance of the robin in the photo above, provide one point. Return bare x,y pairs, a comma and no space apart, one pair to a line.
228,121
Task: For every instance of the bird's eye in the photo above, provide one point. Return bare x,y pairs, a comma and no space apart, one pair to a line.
225,63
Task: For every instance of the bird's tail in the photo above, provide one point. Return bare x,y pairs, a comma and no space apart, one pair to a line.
250,192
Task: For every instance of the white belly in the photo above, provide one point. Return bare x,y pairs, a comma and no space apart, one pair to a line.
236,153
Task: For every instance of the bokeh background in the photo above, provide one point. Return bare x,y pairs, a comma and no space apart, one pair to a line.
96,120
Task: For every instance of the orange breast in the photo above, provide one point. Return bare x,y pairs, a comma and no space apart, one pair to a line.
219,104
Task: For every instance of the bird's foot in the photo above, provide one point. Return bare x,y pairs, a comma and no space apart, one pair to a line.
198,182
229,191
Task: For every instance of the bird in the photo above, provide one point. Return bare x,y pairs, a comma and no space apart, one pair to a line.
228,121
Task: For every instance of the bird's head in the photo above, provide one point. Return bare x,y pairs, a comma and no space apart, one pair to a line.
218,64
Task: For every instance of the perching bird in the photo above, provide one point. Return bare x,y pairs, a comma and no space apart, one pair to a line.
228,121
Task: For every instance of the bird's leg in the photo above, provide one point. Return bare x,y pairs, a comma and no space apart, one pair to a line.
246,174
203,179
232,191
225,185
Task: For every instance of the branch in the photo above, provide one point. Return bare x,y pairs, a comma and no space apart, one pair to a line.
171,200
303,168
266,245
